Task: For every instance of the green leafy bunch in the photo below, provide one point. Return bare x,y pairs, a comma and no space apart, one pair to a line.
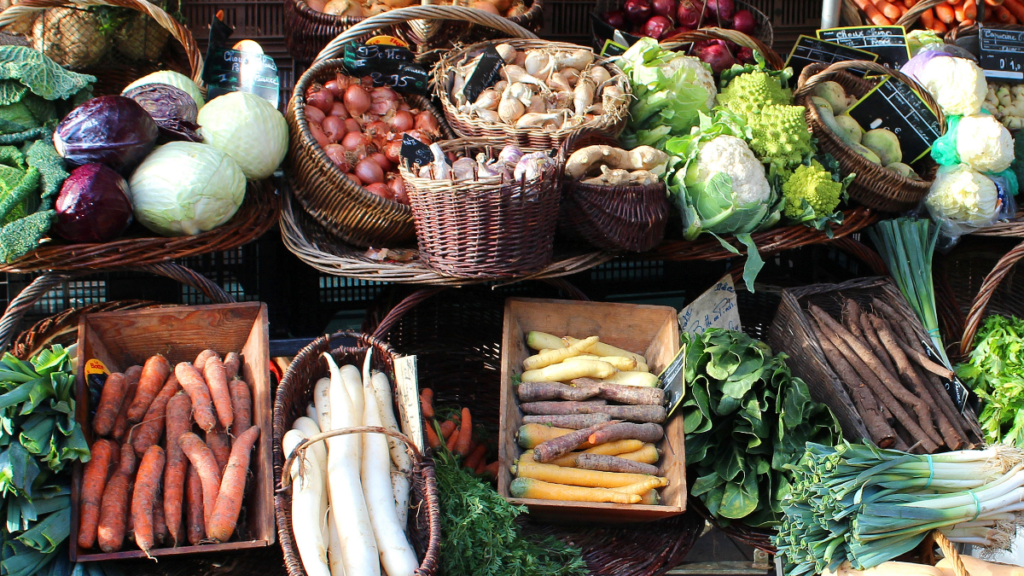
746,419
995,371
481,537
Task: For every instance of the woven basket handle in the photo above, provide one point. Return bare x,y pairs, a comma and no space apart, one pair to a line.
28,297
949,551
300,450
402,15
807,86
13,13
988,288
713,33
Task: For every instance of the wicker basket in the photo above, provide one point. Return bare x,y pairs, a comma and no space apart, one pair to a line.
611,123
631,218
875,186
995,293
258,214
763,32
475,229
758,43
112,79
296,392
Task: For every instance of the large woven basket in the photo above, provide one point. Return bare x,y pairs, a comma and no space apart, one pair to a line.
763,32
610,123
477,229
874,186
113,77
757,43
293,395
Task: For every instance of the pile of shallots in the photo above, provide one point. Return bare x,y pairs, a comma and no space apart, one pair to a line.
543,88
360,128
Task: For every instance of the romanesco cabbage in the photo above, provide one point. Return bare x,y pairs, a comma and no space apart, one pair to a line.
814,185
780,135
747,93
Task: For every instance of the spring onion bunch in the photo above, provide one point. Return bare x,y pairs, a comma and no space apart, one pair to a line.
868,505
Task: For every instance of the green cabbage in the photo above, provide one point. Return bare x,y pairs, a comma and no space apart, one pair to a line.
247,128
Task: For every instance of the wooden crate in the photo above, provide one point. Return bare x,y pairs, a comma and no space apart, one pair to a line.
180,333
649,330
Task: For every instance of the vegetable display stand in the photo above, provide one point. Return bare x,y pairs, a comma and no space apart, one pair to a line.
875,187
610,122
296,392
259,212
71,35
494,228
317,247
760,42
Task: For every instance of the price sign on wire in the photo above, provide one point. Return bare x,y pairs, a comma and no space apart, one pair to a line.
809,50
897,107
1002,52
888,42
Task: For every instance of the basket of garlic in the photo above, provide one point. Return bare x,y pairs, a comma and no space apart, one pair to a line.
484,210
539,94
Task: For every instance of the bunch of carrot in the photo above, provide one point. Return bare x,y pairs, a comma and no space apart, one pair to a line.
1004,11
185,486
456,435
939,19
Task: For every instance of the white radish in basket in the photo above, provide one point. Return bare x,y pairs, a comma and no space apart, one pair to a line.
352,519
322,400
307,491
399,457
309,428
334,547
396,554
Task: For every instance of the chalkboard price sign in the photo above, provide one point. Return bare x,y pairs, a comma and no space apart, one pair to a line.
808,51
889,42
895,106
229,70
485,74
415,152
1002,52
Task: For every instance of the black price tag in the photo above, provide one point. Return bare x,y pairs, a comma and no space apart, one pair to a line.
808,51
895,106
228,70
381,52
415,152
958,393
485,75
1002,52
403,77
889,42
672,380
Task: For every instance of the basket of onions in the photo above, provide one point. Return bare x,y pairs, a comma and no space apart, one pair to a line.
544,93
485,210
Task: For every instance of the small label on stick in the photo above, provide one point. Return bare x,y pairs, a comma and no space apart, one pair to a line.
484,75
415,152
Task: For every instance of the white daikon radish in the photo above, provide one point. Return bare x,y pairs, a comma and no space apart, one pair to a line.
382,390
334,556
354,385
322,399
309,429
400,485
396,554
311,412
351,517
307,489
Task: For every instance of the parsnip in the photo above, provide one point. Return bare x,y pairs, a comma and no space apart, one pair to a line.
396,554
642,379
567,371
620,362
351,515
604,349
555,356
543,341
307,490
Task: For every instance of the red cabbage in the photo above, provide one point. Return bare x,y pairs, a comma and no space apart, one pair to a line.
93,205
114,130
174,111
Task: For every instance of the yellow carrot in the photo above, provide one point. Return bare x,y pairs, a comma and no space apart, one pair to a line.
530,435
643,486
550,357
604,349
647,454
576,476
616,447
650,498
532,488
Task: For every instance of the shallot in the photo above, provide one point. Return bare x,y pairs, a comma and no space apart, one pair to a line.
402,121
397,185
314,114
352,125
334,128
426,123
381,189
320,97
339,110
354,140
381,161
336,152
393,151
383,100
356,100
318,134
369,171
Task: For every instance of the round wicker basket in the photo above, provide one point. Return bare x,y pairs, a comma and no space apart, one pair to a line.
759,44
610,123
875,186
293,395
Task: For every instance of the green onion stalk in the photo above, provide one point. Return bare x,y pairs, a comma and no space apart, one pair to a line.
867,505
907,246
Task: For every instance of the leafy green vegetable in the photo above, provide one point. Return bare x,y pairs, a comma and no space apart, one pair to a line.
995,372
42,156
480,534
746,420
42,76
19,195
22,236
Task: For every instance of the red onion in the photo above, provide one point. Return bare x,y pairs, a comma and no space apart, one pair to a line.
723,9
339,110
718,57
369,171
688,14
352,125
320,97
381,160
353,140
393,151
666,8
402,121
638,11
383,100
318,134
615,18
314,114
426,123
356,100
381,189
397,185
657,27
743,21
336,152
334,128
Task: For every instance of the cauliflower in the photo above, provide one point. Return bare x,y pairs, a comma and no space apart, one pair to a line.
984,143
698,73
780,135
813,185
748,93
962,196
730,155
958,85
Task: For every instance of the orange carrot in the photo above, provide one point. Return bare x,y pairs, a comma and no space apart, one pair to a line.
891,12
903,10
200,362
148,432
1015,8
432,440
465,434
94,478
232,362
160,533
194,507
873,14
241,405
213,373
114,510
179,421
476,456
492,469
945,13
970,10
147,485
993,2
480,467
111,398
910,3
220,445
427,402
154,374
968,23
221,525
447,427
205,463
450,444
202,405
131,377
940,27
928,18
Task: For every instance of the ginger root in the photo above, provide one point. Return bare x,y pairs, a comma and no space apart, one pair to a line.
643,158
620,177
